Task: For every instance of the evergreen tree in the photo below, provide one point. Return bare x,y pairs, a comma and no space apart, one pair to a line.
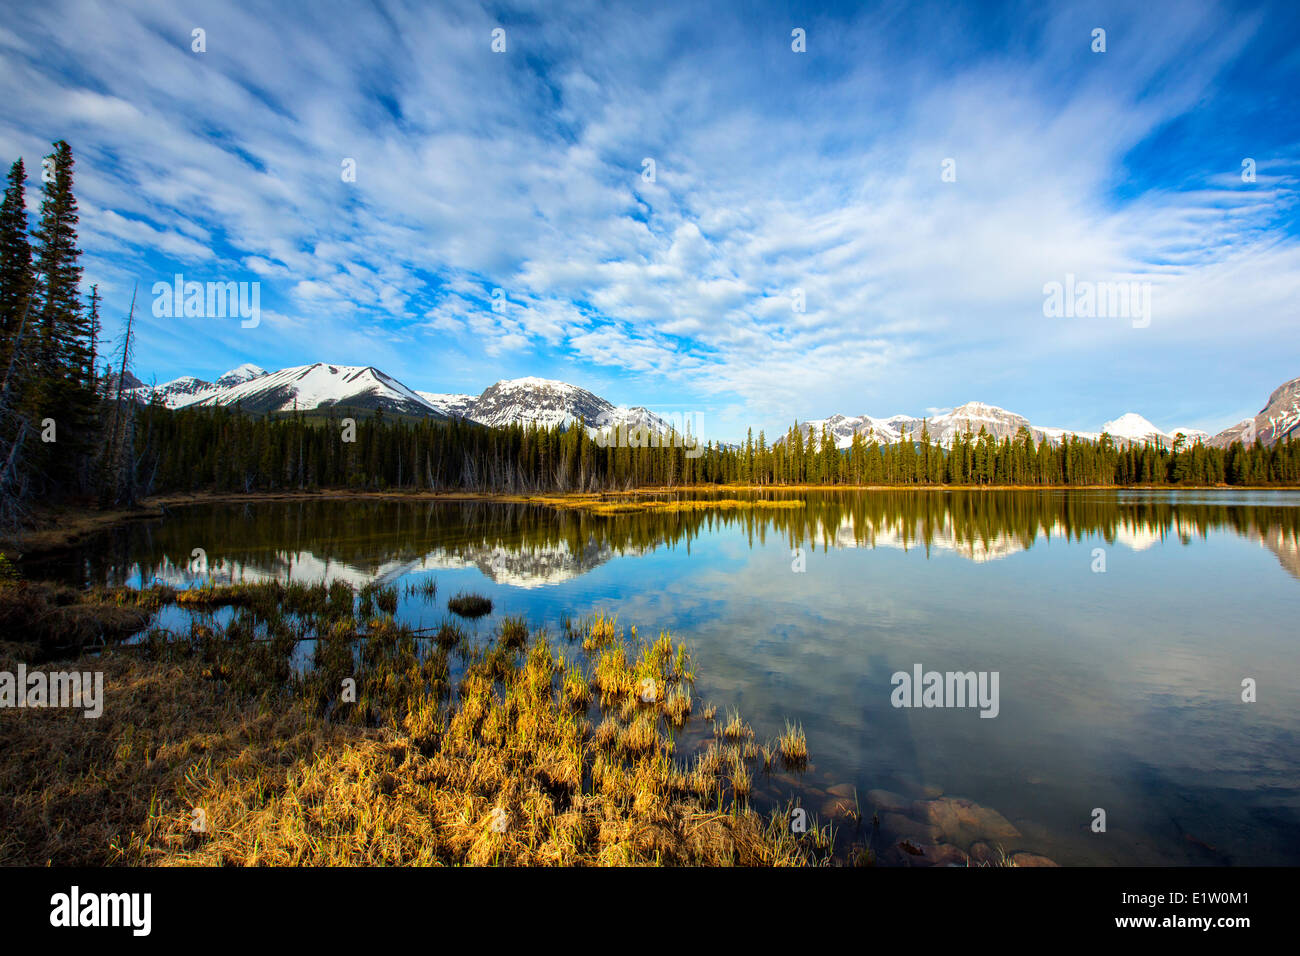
15,259
64,354
15,325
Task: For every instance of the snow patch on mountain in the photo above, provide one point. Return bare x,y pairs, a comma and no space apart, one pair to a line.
1057,435
1276,421
1190,434
451,404
842,429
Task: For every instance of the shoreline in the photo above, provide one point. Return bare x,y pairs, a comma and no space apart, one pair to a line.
62,526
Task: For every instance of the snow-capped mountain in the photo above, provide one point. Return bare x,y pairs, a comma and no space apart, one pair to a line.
970,418
320,385
188,390
942,429
1055,436
177,393
548,403
542,402
524,401
998,422
304,387
1275,421
538,401
1132,427
237,376
842,429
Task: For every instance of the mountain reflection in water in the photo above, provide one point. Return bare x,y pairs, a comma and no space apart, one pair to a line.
524,545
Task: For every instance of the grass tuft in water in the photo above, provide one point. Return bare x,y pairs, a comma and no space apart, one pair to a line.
470,605
794,747
426,589
513,631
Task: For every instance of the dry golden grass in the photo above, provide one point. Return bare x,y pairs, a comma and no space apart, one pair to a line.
49,620
736,730
605,505
213,726
793,746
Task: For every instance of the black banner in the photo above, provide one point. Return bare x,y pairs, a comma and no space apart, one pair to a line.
333,906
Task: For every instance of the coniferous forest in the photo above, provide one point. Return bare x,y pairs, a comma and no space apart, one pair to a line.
68,431
224,450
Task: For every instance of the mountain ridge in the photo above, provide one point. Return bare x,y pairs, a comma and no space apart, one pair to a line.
525,401
531,400
970,417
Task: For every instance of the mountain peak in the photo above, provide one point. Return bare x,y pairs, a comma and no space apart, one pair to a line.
237,376
973,408
546,403
1285,391
1131,425
530,382
320,385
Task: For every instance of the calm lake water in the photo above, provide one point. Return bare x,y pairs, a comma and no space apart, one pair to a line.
1119,690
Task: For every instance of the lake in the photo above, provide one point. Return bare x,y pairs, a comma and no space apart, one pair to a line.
1120,626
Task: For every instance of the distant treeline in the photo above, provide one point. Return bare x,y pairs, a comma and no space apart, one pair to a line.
223,449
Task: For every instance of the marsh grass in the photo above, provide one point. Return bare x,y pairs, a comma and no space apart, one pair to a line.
736,730
426,589
794,747
595,631
377,598
470,605
599,505
45,621
374,754
513,631
449,634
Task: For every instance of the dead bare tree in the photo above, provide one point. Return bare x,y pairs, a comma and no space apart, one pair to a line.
118,469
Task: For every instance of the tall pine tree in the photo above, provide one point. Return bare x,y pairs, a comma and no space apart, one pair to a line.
64,355
15,259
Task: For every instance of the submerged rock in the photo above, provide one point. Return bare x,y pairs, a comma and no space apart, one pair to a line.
964,821
899,826
932,854
886,801
1021,858
838,808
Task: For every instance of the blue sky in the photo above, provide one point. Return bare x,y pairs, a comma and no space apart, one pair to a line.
774,171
